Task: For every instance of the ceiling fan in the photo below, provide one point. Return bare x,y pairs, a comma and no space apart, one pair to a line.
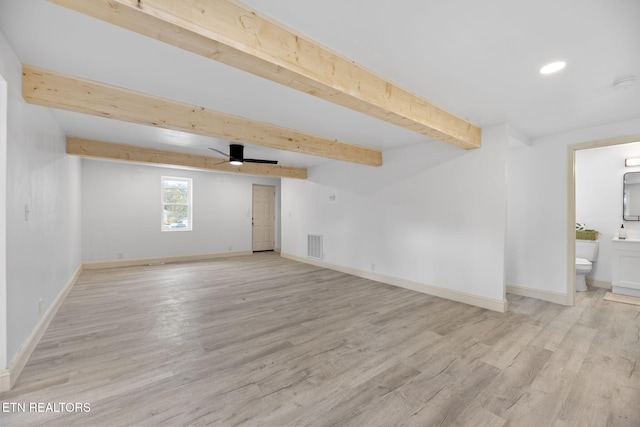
236,156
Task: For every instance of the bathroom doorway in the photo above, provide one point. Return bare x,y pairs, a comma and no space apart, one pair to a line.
606,159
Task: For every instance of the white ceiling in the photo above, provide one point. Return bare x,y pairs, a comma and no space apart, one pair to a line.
476,59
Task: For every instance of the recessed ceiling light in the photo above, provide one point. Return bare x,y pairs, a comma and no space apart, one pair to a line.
553,67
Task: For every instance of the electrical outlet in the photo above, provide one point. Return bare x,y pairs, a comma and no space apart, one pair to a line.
373,267
230,247
40,306
119,255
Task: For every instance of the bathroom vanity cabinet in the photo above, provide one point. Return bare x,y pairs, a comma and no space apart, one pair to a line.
626,267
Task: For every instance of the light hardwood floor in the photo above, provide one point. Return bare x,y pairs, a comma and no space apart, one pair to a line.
260,340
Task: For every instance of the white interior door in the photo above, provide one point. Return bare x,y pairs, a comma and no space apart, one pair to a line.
264,217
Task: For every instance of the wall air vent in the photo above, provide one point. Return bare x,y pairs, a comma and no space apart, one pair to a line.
314,246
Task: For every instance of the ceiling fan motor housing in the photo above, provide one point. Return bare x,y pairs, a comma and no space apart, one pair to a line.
236,152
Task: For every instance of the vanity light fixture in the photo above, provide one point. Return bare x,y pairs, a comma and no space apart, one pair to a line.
632,162
553,67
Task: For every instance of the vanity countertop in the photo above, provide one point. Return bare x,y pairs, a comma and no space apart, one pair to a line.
631,239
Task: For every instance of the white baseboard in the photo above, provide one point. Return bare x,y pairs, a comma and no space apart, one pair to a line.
9,376
450,294
599,283
550,296
160,260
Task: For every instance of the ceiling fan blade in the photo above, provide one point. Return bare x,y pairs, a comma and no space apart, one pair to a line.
224,154
270,162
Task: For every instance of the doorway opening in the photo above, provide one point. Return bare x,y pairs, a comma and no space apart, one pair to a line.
572,203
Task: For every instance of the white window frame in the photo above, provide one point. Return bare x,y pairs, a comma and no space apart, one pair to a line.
189,204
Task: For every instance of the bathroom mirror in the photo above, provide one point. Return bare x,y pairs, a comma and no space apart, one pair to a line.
631,196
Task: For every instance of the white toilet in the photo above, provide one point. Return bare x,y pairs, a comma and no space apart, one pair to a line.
586,254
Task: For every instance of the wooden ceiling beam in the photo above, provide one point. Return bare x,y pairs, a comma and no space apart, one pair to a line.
130,153
55,90
232,33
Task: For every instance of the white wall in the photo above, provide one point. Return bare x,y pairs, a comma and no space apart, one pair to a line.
538,201
43,253
121,212
432,214
599,174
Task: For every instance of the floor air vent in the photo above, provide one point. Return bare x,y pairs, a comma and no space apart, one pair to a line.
314,246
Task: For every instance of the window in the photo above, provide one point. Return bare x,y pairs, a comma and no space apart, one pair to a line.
176,204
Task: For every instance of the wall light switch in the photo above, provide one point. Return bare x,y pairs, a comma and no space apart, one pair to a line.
26,212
